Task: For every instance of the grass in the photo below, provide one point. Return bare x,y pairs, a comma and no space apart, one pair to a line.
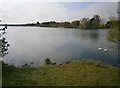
74,73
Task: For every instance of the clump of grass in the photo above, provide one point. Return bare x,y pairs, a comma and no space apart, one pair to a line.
48,62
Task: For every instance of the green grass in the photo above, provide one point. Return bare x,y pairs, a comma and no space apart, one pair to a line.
74,73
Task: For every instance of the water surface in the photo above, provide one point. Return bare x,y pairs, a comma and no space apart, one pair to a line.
35,44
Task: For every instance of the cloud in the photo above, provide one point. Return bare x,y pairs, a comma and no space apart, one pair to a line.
23,12
104,9
32,12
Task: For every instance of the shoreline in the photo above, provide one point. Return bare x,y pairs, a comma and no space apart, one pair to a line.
32,65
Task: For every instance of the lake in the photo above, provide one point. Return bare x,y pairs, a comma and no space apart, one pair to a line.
35,44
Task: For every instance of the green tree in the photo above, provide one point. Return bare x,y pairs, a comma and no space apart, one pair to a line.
95,22
84,23
112,23
75,24
67,24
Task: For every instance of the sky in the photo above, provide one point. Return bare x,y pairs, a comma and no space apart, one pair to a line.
28,12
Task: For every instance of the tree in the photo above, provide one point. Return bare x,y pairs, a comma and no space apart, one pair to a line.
95,21
113,22
84,23
67,24
75,24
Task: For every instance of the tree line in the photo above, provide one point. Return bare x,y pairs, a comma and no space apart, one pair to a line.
96,22
85,23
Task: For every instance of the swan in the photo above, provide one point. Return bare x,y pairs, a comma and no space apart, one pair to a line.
105,50
100,48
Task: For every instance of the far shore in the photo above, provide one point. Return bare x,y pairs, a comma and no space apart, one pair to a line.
24,25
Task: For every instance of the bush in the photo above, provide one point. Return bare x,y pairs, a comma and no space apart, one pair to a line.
47,61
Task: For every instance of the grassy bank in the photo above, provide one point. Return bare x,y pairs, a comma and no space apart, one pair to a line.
75,73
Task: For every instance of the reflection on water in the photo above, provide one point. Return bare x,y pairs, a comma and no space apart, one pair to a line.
92,34
35,44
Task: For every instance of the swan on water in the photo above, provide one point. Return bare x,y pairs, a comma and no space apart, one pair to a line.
100,48
105,50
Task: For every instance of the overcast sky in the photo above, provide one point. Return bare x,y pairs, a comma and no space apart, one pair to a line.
24,12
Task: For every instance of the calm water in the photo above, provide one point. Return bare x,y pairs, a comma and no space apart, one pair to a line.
35,44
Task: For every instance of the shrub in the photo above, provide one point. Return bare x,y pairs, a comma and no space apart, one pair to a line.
47,61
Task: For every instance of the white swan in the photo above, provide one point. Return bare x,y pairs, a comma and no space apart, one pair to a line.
100,48
105,50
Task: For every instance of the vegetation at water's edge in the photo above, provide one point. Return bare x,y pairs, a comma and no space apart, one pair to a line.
96,22
114,30
75,73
